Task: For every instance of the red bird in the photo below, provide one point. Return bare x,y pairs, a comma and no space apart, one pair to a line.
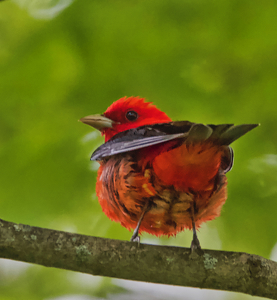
161,176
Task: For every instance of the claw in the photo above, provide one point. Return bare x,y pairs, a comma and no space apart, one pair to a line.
195,244
135,239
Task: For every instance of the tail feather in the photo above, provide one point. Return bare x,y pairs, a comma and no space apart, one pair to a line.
224,134
234,132
218,130
199,132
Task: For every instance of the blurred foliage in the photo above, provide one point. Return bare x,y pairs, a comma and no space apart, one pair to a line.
203,61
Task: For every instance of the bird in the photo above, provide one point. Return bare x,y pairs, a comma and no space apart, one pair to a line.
161,176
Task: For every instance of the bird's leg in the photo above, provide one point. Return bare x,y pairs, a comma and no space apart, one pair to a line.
135,237
195,244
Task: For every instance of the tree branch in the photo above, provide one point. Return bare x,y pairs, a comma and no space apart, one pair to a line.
219,270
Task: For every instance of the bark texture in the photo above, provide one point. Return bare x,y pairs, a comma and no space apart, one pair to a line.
219,270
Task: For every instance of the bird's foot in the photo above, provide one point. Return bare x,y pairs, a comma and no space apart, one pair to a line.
195,248
135,237
195,244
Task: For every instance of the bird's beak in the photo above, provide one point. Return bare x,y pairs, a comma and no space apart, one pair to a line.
98,122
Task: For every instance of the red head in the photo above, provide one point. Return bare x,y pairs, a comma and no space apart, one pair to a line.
124,114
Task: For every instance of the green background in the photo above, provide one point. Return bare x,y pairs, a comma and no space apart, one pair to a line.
203,61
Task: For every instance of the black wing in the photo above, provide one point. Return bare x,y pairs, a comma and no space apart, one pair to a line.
121,146
149,135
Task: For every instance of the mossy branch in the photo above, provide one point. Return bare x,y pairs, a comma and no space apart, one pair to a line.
219,270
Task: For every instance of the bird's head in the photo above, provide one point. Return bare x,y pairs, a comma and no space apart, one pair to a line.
126,113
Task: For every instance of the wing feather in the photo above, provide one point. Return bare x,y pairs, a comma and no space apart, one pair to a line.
149,135
118,146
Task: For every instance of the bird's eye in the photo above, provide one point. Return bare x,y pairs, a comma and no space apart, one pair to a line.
131,115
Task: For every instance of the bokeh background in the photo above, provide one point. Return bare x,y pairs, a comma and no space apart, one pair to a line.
203,61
